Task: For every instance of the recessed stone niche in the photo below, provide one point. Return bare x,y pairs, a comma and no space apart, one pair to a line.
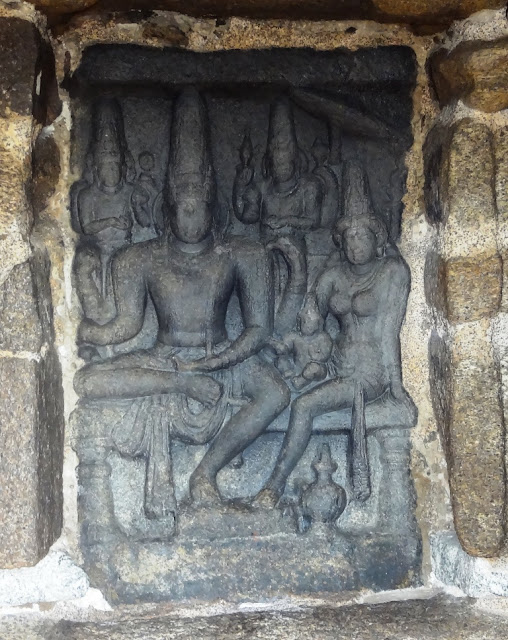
242,429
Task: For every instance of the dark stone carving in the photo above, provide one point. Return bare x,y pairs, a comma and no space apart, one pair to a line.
242,299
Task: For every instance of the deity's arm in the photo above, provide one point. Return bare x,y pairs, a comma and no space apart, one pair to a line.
130,300
254,284
323,346
312,204
246,196
140,205
394,309
323,289
92,226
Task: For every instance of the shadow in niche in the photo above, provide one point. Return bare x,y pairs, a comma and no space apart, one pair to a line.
238,272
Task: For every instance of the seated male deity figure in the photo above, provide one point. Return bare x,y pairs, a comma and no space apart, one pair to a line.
191,274
367,293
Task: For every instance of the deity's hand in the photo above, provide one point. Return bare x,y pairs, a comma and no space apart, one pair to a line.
203,365
285,245
279,347
397,390
186,367
85,330
120,223
274,222
204,389
244,175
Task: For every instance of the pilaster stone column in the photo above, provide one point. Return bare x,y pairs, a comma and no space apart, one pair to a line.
464,285
396,498
31,397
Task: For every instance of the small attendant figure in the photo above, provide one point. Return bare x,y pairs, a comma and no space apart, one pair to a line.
303,354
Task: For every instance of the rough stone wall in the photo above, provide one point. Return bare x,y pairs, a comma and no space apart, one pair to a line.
454,238
31,398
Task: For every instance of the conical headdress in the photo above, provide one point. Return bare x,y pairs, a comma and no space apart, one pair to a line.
281,129
190,168
358,209
108,132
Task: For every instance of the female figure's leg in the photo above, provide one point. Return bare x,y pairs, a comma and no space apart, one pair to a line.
329,396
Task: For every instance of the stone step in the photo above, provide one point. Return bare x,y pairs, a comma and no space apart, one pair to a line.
438,618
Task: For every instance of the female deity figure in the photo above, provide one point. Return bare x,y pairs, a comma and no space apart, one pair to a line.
367,293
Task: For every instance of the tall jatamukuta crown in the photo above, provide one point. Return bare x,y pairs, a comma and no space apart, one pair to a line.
190,168
281,129
108,133
358,209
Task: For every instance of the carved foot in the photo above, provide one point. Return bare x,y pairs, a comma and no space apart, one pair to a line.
204,492
266,499
205,495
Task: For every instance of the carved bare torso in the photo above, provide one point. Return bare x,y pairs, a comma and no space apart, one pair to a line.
366,312
190,292
292,210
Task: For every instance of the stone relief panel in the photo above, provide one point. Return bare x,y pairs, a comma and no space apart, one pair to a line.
243,428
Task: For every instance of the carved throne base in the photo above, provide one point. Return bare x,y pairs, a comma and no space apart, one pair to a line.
245,553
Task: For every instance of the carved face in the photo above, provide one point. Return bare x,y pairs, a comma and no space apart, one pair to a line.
191,220
283,166
310,322
360,245
109,171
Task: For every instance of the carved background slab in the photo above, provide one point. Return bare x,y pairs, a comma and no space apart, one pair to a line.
162,131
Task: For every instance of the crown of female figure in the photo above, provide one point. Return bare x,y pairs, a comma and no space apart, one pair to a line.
359,212
190,168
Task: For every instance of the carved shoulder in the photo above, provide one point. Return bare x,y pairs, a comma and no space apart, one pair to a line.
397,271
136,256
85,202
311,183
246,250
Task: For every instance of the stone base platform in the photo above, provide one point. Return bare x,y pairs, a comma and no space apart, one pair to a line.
439,618
254,569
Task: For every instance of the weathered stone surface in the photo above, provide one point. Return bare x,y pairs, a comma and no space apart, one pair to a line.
439,618
19,52
62,6
476,577
55,578
464,284
474,72
473,287
433,12
15,213
501,185
27,72
434,155
475,440
20,324
45,171
467,193
30,458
